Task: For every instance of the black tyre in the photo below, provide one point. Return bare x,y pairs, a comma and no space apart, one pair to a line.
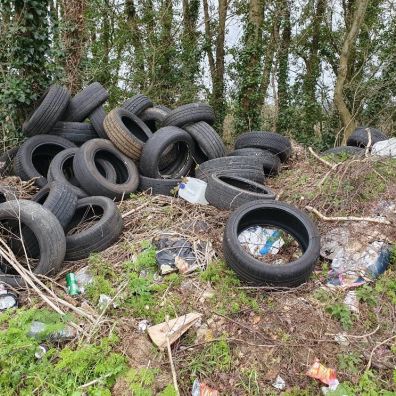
105,227
230,192
6,160
271,162
58,198
137,104
343,150
50,109
247,167
158,186
127,132
360,137
189,114
271,141
47,231
153,116
97,118
157,145
284,217
90,178
76,132
208,143
85,102
35,155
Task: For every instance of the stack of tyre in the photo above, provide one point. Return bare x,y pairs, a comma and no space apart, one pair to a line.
240,177
356,144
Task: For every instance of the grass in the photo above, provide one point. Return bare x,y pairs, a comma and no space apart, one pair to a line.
60,371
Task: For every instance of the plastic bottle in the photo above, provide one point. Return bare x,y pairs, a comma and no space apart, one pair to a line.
193,191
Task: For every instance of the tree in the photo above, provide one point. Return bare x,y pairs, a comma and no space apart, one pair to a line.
348,121
216,62
74,40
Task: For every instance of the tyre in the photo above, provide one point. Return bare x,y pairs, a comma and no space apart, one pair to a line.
247,167
158,186
208,143
343,151
360,137
279,215
137,104
271,162
61,170
85,102
127,132
100,234
156,146
97,118
6,160
189,114
90,178
76,132
35,155
47,231
153,116
271,141
230,192
50,109
59,199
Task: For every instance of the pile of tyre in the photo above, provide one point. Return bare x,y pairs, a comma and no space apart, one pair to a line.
84,160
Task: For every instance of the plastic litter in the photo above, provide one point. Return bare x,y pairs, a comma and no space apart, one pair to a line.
352,301
193,190
105,301
173,255
351,267
261,241
143,325
385,148
83,278
200,389
72,286
324,374
7,299
41,350
341,339
38,328
279,383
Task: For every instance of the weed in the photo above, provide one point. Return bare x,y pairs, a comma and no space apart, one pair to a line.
349,362
98,286
341,312
59,372
215,357
386,285
367,294
249,382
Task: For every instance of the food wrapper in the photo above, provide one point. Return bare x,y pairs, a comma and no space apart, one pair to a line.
324,374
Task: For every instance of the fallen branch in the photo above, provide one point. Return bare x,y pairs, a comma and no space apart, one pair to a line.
172,364
375,348
134,210
322,160
347,218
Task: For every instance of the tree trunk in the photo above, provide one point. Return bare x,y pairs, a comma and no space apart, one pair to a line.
74,41
283,121
216,62
346,117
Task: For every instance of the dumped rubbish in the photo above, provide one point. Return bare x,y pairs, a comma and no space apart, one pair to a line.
201,389
352,302
38,329
172,329
177,254
83,278
324,374
7,299
341,339
105,301
193,190
72,285
351,267
385,148
279,383
41,350
261,241
143,325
